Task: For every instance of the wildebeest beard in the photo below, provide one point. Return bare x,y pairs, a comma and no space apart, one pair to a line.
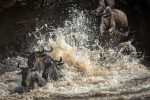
48,65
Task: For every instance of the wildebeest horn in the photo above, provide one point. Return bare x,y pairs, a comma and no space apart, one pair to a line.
51,49
61,63
41,51
18,66
58,60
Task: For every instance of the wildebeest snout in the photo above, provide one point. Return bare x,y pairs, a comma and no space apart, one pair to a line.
45,75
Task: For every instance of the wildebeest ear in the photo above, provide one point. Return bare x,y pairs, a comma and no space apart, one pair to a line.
18,65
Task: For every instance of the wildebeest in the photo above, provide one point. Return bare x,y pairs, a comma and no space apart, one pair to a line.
35,59
103,4
51,69
114,21
30,77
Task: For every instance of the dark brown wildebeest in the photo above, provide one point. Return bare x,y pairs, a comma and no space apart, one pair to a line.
114,24
113,20
51,69
30,77
35,59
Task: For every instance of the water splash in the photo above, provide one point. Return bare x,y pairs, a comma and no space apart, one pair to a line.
96,72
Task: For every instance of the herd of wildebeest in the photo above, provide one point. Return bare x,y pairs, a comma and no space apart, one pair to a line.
43,68
40,69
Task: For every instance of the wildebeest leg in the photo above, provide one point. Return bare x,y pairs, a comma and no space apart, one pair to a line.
102,26
103,30
112,24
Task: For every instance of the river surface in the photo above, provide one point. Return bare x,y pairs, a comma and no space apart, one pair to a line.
89,72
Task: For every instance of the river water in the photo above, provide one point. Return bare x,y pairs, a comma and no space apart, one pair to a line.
89,71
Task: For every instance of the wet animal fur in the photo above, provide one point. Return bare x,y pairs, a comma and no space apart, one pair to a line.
36,59
34,77
51,69
114,20
30,77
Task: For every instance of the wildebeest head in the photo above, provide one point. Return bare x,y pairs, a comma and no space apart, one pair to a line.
37,54
30,77
51,69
